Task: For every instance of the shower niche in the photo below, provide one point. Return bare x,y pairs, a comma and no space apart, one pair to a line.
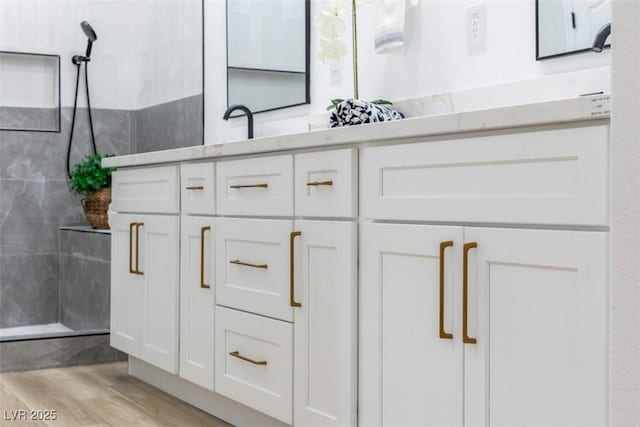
30,88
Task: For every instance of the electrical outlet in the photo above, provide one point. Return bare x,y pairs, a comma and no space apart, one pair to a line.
476,18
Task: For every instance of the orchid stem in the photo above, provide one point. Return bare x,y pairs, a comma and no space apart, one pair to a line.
355,50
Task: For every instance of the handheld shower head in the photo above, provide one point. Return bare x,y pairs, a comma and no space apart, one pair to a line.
91,36
88,31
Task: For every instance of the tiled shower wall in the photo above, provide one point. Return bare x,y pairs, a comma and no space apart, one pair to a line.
35,199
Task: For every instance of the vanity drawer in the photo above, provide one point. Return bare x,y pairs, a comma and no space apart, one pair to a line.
326,183
254,362
197,188
252,265
148,190
557,176
261,186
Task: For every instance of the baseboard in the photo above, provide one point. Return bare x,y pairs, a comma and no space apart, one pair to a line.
210,402
57,352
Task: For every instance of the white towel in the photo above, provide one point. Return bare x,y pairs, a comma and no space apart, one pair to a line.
389,35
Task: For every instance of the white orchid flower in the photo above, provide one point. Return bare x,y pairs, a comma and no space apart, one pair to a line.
331,27
332,49
333,7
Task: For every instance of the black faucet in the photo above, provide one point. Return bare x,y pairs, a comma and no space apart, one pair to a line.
601,38
244,109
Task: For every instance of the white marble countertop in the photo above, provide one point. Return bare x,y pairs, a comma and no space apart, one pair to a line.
560,111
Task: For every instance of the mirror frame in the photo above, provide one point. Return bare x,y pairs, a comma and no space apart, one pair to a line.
307,35
555,55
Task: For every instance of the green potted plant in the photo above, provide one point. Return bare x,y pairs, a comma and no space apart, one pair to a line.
91,180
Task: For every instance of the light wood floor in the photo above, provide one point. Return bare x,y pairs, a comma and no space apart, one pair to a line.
96,396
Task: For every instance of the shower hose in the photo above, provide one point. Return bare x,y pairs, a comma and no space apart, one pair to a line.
75,108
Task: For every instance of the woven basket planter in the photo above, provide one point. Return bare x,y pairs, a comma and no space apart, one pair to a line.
96,207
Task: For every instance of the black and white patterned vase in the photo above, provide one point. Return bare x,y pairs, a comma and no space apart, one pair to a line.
352,112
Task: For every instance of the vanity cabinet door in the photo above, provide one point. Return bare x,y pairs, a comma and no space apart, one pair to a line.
144,288
157,265
325,324
127,287
537,311
410,353
197,300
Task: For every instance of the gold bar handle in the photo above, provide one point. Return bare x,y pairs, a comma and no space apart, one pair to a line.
292,288
465,293
246,359
317,183
443,334
203,230
250,186
238,262
195,187
131,225
138,225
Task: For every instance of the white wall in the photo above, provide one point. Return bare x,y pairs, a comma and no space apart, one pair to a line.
435,61
624,379
169,38
42,75
147,52
436,58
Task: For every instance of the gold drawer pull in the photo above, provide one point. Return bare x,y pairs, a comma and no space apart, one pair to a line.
292,286
202,231
131,270
195,187
246,359
317,183
238,262
443,334
250,186
465,292
138,225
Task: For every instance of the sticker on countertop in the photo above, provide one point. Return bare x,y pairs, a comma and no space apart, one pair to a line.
599,105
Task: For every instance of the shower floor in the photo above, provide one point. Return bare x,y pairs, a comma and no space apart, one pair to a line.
34,331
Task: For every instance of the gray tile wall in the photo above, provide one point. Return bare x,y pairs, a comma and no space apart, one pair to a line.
28,118
35,200
57,352
84,279
175,124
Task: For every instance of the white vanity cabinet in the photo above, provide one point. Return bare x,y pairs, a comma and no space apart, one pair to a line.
302,272
145,265
485,326
254,361
197,299
144,287
252,271
197,188
411,355
255,187
288,273
439,280
325,334
501,325
127,287
546,176
197,273
537,304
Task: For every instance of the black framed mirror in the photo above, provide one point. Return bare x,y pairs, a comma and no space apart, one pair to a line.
268,53
565,27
